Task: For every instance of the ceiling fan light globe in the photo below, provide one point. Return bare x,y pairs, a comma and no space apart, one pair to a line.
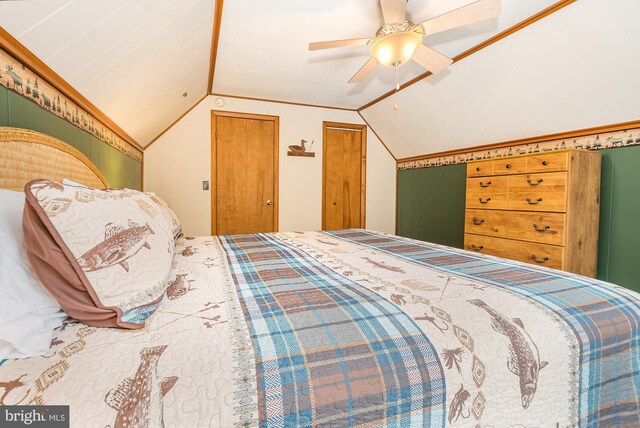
384,55
397,48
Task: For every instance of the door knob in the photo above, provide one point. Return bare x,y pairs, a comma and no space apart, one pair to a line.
269,202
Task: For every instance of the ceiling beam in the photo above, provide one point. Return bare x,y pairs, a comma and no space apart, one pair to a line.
215,37
523,24
268,100
17,50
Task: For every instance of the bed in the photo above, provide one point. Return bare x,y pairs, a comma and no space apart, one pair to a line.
349,328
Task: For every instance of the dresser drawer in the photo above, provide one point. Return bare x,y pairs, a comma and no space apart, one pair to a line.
549,162
528,252
478,169
487,192
544,228
517,165
538,192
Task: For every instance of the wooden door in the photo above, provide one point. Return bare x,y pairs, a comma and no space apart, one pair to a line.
343,176
244,173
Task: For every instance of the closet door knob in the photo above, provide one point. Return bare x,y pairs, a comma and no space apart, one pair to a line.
269,202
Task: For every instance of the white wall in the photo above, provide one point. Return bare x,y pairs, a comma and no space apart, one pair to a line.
177,163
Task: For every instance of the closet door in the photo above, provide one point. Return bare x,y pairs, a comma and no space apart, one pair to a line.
343,176
244,171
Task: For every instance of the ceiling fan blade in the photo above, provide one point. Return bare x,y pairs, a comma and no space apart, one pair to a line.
393,11
432,60
365,70
474,12
337,44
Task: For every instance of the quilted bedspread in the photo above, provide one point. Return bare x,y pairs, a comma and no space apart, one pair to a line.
350,328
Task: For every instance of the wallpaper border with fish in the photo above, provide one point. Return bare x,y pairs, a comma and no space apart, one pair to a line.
20,79
597,141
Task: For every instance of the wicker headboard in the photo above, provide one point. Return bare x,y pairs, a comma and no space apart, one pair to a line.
26,155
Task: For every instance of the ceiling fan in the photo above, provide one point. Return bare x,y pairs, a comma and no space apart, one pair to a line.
400,40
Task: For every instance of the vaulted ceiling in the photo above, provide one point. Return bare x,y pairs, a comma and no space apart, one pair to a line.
134,60
263,47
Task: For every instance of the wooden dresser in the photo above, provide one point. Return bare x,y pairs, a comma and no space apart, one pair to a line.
539,208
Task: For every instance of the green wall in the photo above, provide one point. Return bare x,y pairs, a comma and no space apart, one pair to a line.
619,240
119,169
431,208
431,204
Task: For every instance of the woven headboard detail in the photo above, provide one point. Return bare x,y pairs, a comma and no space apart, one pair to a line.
27,155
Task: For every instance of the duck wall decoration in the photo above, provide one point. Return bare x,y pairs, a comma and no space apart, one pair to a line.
301,150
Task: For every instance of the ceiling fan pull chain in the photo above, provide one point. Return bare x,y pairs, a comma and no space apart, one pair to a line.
395,104
397,76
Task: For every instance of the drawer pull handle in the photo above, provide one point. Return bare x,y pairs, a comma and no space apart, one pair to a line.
475,247
531,183
508,166
545,163
536,202
541,229
487,184
478,169
484,202
477,221
541,261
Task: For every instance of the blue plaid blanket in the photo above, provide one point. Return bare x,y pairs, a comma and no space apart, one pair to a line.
355,328
329,352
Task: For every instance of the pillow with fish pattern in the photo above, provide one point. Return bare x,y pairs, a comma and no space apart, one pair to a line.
168,214
105,255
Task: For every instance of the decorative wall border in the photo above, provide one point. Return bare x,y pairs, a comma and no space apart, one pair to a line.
20,79
594,141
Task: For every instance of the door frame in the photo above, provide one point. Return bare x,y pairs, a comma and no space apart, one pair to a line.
363,166
214,158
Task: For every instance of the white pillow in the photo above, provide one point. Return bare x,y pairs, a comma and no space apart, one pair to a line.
68,182
28,312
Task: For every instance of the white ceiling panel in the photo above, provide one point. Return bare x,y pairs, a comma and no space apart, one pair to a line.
133,59
111,35
157,110
189,53
66,24
24,15
577,68
263,47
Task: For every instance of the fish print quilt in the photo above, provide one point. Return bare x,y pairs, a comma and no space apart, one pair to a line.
350,328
